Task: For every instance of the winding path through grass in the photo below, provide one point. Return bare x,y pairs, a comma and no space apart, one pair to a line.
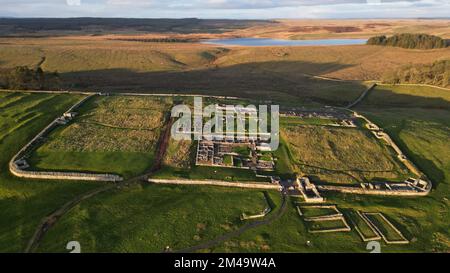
241,230
50,220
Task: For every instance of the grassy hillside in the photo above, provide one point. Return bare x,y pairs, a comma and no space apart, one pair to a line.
436,74
408,96
350,28
149,218
23,203
282,74
62,26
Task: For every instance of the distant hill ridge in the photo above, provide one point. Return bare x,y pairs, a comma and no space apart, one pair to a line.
17,26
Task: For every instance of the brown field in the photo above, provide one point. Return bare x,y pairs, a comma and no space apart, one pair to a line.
284,74
288,75
115,124
310,29
339,155
178,154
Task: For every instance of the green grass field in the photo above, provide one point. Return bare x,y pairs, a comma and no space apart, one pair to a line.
24,202
423,135
154,217
128,164
384,227
150,217
363,227
205,173
292,121
115,134
408,96
317,226
309,211
340,155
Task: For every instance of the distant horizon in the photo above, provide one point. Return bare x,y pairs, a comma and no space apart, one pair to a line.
220,18
227,9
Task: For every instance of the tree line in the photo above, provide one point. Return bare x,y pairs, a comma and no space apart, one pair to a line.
437,73
24,78
411,41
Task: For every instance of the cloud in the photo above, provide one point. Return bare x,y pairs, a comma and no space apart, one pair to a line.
227,8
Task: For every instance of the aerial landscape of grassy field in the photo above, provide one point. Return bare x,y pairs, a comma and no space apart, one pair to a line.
23,115
332,100
340,155
119,135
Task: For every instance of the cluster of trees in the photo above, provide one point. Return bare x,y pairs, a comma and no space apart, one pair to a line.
437,74
24,78
413,41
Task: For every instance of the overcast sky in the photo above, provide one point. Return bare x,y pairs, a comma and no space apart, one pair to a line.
249,9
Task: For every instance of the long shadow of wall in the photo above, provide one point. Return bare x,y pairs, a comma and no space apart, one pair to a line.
275,81
382,97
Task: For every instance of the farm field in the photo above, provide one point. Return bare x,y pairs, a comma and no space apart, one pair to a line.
116,134
340,155
24,202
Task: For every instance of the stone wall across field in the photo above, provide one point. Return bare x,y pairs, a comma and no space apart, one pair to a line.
357,190
15,170
64,175
246,185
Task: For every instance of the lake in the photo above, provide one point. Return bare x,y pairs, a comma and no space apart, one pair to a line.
276,42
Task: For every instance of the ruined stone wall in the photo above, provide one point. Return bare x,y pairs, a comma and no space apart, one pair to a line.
56,175
356,190
408,163
247,185
64,175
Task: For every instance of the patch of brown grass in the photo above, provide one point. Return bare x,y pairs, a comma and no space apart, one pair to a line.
339,155
178,154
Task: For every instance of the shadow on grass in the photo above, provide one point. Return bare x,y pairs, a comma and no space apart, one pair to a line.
266,81
383,97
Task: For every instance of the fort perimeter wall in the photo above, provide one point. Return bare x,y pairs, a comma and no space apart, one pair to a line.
15,170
